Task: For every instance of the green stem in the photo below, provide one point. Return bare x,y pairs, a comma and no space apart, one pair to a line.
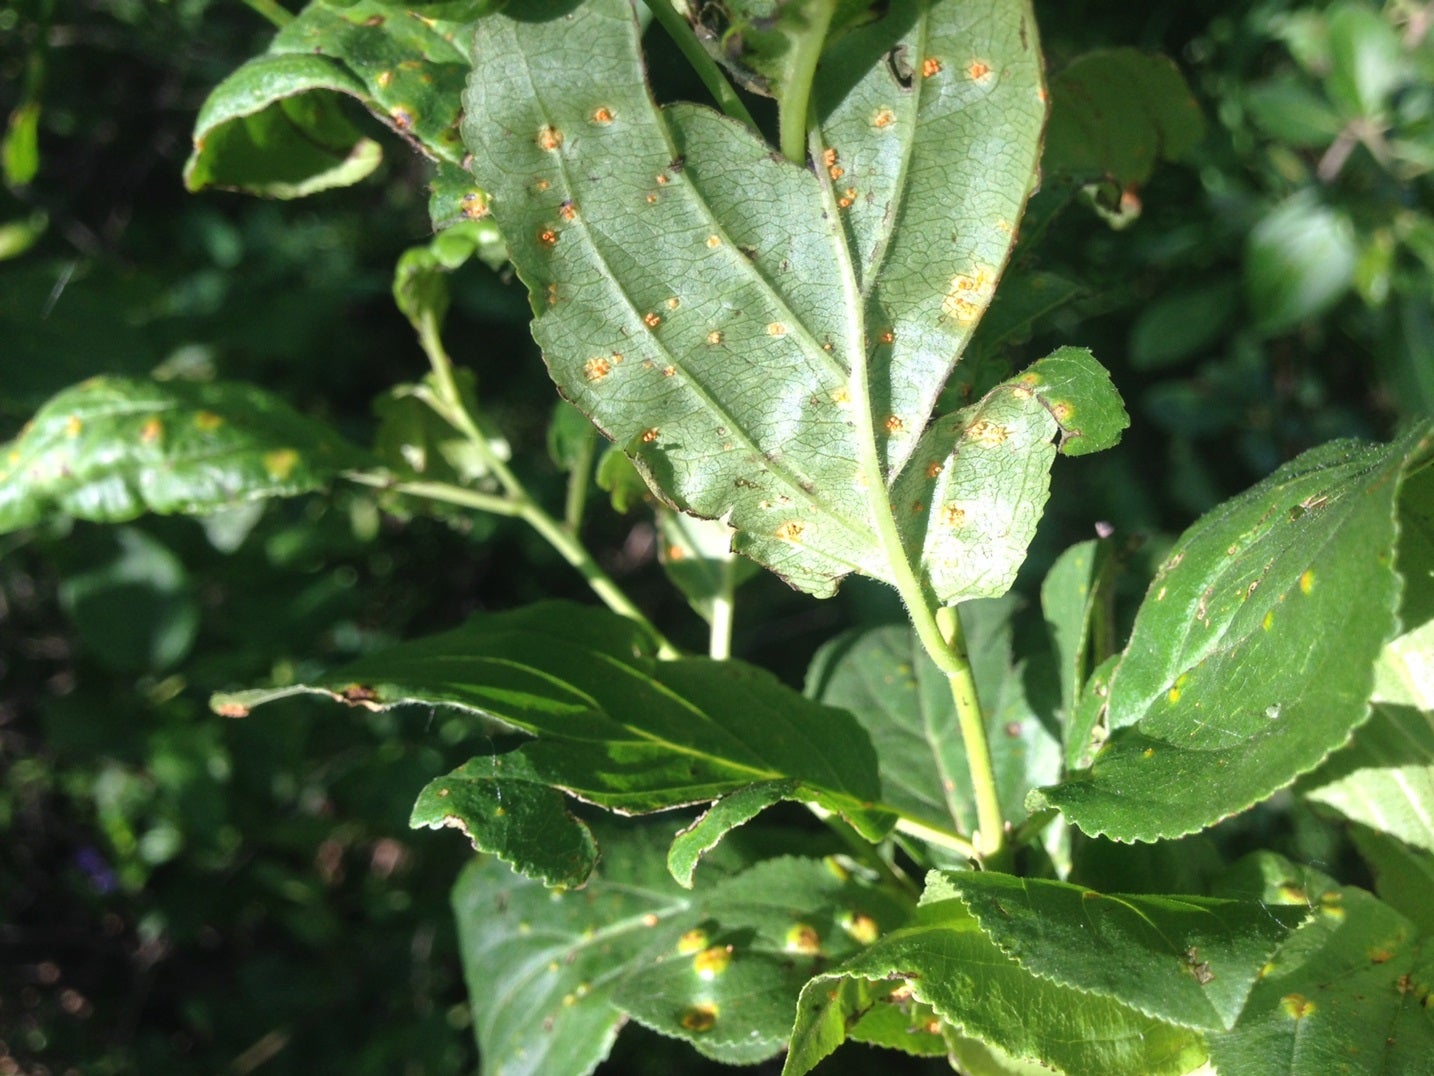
712,77
960,845
719,644
578,478
796,91
946,648
990,835
516,500
438,491
272,11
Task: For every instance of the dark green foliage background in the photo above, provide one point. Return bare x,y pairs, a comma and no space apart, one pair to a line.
184,894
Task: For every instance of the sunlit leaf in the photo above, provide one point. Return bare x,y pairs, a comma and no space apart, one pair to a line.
110,449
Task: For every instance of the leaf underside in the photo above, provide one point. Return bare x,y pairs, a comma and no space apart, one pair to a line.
722,313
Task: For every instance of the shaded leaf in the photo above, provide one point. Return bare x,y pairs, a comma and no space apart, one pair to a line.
725,342
613,725
112,448
1070,597
1299,261
504,810
1403,876
1189,960
1252,656
697,556
1115,114
885,679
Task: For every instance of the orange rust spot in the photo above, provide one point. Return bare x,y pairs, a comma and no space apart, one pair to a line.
791,531
894,424
596,368
888,336
933,469
669,371
848,196
651,319
978,69
953,515
541,185
712,962
650,435
548,237
150,432
714,337
776,328
549,137
675,552
232,709
601,115
803,939
692,941
829,157
713,242
552,295
917,508
568,211
661,179
358,695
930,66
700,1017
402,118
474,206
652,198
883,117
1297,1006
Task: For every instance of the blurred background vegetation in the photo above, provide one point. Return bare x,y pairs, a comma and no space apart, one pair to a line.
183,893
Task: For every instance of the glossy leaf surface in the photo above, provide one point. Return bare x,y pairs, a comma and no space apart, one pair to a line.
1252,656
613,725
726,341
110,449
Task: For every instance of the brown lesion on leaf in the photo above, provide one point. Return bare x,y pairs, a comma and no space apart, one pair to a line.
597,368
986,433
601,115
650,435
791,531
360,695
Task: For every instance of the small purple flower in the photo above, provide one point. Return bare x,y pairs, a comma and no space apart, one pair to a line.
96,869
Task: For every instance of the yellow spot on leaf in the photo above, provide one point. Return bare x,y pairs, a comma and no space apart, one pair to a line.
541,185
1307,580
883,117
712,962
803,939
549,137
714,337
713,242
986,433
776,328
842,397
673,303
150,432
207,420
383,79
474,205
700,1017
596,368
1297,1006
862,928
967,295
281,463
552,295
953,515
791,531
1149,752
693,941
669,371
73,426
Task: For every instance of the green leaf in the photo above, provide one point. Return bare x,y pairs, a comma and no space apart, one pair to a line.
503,809
1252,656
884,677
1299,261
728,356
276,127
1385,777
727,978
731,811
943,959
1188,960
1289,110
1348,992
541,969
613,725
1115,114
1072,595
413,436
20,145
1182,324
111,448
420,280
551,977
570,437
1403,876
1367,60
